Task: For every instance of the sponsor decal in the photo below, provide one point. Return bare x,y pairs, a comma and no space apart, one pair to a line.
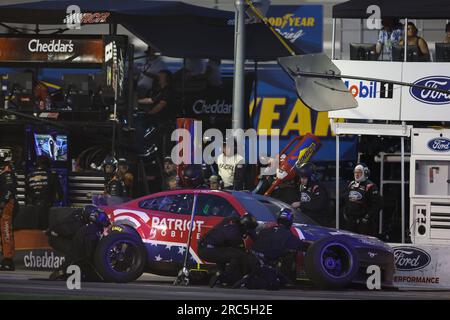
410,258
439,144
174,228
431,96
416,279
48,260
304,197
219,107
354,196
370,89
85,17
117,228
52,46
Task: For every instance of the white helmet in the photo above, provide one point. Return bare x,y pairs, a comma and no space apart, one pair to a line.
5,155
365,170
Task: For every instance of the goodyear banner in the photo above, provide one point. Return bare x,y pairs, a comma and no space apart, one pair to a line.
277,106
300,25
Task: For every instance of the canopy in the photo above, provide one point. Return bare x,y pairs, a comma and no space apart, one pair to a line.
412,9
175,28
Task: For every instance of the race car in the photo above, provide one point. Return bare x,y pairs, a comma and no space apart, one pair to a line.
150,234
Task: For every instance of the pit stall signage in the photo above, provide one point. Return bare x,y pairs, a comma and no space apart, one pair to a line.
51,49
421,266
385,101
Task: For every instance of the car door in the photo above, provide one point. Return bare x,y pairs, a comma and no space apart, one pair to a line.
169,226
211,209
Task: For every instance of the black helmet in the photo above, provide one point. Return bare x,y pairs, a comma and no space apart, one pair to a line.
192,175
285,217
92,214
110,162
5,155
306,169
248,222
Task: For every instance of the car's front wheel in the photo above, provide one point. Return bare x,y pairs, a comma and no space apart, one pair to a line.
331,263
120,257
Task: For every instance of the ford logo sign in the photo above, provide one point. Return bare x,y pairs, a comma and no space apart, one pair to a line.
439,144
430,96
410,258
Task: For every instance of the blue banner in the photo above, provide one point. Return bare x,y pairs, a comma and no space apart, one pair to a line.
300,25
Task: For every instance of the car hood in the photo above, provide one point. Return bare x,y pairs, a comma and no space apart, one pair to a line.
314,233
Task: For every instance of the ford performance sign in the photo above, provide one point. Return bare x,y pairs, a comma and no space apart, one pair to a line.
439,144
431,96
410,258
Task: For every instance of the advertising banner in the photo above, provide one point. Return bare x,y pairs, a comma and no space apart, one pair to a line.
426,105
376,100
38,259
421,266
385,101
301,25
51,49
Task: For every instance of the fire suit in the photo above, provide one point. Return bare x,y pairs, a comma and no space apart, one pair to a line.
8,207
43,189
314,202
362,205
224,244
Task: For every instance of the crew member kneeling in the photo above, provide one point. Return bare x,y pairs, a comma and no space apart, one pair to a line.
224,244
273,259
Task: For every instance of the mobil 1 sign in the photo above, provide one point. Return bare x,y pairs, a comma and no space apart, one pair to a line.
377,100
421,266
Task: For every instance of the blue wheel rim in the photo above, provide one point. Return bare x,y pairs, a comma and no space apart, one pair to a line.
336,260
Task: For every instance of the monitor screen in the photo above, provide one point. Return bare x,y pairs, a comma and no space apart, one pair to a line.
52,146
398,53
442,52
363,51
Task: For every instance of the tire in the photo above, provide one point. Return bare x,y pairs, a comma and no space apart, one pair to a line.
331,263
115,266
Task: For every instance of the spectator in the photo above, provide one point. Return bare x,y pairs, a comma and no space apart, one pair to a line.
157,111
389,36
148,72
447,33
415,40
231,167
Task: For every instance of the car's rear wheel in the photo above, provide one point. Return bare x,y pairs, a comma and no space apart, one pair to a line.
331,263
120,257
